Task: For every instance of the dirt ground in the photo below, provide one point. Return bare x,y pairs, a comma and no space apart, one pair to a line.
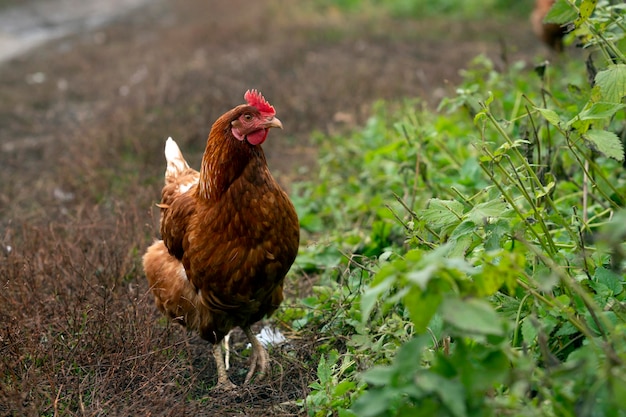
83,122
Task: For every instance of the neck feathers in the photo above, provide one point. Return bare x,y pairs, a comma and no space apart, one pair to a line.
225,159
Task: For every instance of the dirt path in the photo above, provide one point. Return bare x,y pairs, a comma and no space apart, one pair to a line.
30,23
83,121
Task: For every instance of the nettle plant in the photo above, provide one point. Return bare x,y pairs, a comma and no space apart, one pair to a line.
516,290
506,294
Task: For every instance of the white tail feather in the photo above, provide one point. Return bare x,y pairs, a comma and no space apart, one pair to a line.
176,163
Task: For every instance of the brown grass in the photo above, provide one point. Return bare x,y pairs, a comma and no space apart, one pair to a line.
82,164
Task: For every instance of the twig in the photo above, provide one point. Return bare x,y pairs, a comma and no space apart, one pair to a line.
56,401
351,260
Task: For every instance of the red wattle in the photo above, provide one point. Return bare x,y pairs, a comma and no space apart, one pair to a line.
257,137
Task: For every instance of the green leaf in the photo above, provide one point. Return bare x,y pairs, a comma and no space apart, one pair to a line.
612,83
461,239
374,402
422,276
460,245
371,294
567,329
422,306
607,319
324,371
346,413
489,99
561,13
473,316
602,110
529,331
451,392
585,10
487,283
379,375
479,117
480,367
506,265
344,386
312,222
606,143
407,361
495,233
550,115
441,214
483,212
603,293
610,279
545,190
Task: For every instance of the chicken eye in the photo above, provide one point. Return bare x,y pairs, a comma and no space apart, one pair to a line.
247,116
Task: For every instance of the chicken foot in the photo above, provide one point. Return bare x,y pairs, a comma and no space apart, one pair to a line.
222,377
259,359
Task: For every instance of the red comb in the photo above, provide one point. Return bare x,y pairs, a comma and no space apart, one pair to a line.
256,99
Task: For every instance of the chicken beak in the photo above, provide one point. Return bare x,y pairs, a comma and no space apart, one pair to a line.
273,122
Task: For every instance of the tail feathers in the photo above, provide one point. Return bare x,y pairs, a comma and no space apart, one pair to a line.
179,299
176,164
178,174
175,296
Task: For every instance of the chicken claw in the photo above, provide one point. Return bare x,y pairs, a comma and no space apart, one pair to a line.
223,383
259,360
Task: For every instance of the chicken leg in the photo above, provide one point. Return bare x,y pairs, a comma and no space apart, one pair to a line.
222,377
259,360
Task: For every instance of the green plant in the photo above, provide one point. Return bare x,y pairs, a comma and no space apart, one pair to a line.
501,298
329,392
421,8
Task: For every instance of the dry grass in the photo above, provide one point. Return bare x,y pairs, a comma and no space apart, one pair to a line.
80,337
81,157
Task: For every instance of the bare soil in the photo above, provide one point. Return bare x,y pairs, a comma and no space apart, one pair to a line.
83,121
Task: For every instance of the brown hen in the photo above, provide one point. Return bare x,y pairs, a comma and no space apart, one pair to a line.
229,235
550,33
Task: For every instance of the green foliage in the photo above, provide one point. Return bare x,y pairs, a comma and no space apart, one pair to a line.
423,8
329,393
472,261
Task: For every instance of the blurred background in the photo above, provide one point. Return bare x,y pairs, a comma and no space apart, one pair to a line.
163,68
